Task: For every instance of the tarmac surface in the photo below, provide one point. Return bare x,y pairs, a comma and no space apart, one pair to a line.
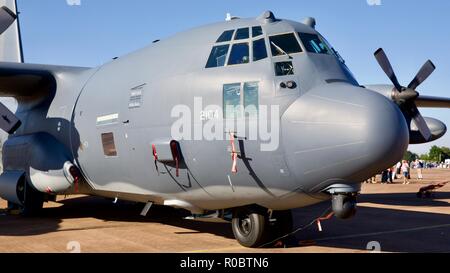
389,216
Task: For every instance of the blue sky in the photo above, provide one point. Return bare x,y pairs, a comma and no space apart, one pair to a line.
96,31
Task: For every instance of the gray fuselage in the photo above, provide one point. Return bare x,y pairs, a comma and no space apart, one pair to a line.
329,126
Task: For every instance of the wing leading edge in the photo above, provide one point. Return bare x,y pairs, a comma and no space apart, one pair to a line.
432,102
27,82
30,81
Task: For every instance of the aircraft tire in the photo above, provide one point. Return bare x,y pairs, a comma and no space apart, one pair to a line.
250,226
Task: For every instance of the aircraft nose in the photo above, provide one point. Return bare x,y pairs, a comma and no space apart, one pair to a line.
340,132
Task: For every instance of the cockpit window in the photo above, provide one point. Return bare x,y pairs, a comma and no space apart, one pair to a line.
218,56
259,50
257,31
314,44
239,54
226,36
242,33
284,44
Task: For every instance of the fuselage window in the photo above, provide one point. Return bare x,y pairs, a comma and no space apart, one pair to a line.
284,68
314,44
242,33
257,31
226,36
218,56
259,50
251,100
232,101
239,54
109,147
284,44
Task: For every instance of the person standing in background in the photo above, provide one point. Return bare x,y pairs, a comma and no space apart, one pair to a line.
419,166
391,173
394,173
405,171
398,168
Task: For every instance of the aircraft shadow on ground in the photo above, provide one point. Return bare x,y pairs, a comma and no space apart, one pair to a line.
395,230
103,209
407,199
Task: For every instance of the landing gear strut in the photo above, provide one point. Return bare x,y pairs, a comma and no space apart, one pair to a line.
33,200
254,226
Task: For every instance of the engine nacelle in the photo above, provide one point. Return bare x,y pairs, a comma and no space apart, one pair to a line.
53,181
437,128
12,186
39,160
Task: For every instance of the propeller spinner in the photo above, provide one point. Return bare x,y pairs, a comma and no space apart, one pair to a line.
406,96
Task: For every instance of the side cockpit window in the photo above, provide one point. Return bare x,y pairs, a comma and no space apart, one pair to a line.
218,56
233,47
284,44
314,44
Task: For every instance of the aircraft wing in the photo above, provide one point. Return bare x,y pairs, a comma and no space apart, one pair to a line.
27,82
432,102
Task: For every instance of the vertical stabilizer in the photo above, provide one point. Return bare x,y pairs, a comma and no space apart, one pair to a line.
10,41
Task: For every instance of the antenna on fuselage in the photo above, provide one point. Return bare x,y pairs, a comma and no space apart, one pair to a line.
229,17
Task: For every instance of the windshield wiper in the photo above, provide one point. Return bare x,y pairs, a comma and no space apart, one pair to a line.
281,50
338,55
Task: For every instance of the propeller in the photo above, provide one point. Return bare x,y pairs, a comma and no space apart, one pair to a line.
7,18
406,96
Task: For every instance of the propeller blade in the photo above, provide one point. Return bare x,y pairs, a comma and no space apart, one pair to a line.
7,18
426,70
420,122
383,61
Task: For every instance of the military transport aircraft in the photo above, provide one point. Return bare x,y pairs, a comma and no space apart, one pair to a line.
109,131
